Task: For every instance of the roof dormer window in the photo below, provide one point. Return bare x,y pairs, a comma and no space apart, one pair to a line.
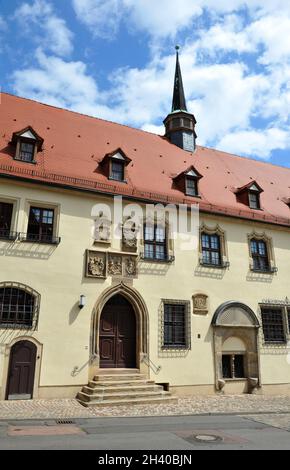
250,195
254,200
117,169
187,182
27,143
115,165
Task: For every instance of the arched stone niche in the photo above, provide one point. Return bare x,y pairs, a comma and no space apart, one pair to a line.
235,329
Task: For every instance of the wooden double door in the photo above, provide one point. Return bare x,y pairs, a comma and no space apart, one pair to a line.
21,371
118,334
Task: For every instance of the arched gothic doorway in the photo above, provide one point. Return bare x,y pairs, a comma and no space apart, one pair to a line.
136,305
117,340
236,348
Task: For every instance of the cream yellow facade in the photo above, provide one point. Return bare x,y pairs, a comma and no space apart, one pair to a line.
66,336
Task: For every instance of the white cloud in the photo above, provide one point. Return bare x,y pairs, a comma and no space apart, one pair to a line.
101,16
54,33
259,143
56,82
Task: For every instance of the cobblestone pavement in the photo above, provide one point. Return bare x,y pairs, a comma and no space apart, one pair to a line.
70,408
281,421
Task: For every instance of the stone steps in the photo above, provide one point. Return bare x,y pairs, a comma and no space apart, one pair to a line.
131,401
122,388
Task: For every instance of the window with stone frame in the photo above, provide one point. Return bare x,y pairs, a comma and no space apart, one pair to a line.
274,324
155,241
176,331
19,306
213,251
261,253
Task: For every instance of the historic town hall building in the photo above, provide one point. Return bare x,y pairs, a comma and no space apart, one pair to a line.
111,308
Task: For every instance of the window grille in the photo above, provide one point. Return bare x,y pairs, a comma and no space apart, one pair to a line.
176,332
273,325
19,306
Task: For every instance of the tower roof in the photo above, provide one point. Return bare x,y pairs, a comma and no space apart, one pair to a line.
178,101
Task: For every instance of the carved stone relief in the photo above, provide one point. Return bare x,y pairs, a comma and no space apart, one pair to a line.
200,304
101,264
96,264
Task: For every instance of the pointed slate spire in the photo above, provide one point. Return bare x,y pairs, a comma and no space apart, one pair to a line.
180,124
178,102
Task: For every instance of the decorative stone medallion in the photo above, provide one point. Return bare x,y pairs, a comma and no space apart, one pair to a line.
96,264
130,266
200,304
114,265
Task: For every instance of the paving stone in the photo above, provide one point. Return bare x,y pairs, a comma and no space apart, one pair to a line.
189,405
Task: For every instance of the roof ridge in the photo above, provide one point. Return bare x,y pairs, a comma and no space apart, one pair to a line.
79,113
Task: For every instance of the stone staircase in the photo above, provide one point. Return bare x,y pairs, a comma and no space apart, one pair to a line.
122,388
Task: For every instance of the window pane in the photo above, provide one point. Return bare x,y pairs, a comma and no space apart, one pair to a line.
215,258
117,171
5,219
205,241
149,232
273,327
239,366
206,257
160,234
191,186
254,200
226,364
160,252
214,242
149,251
26,152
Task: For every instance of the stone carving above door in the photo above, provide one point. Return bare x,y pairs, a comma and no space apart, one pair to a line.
101,264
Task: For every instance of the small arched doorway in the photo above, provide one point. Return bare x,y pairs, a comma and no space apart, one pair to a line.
117,334
21,371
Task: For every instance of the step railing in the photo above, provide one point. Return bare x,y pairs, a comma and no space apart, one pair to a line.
76,370
156,369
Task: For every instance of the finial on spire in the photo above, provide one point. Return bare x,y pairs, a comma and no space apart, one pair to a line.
177,48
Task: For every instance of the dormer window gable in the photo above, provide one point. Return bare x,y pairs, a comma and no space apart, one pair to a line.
27,143
187,182
115,165
250,195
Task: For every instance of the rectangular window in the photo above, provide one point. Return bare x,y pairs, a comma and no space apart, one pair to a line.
288,318
273,325
155,242
6,211
211,251
117,170
40,225
175,326
259,254
26,152
254,200
233,366
191,187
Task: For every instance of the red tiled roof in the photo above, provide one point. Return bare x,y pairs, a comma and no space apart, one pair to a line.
74,144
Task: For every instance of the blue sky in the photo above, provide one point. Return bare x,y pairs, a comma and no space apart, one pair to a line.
114,59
